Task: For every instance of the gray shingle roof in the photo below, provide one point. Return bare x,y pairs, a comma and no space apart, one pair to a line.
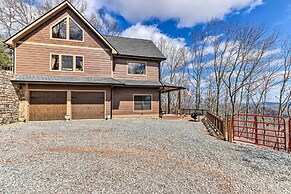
146,83
135,47
84,80
65,79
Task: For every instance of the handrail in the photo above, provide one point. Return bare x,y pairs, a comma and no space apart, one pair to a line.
217,122
189,111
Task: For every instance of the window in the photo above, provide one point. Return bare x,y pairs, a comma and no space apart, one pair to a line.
76,33
142,102
60,30
137,68
55,62
67,63
79,63
67,29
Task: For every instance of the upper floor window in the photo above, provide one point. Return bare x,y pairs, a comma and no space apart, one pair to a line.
137,68
60,30
67,29
76,33
67,63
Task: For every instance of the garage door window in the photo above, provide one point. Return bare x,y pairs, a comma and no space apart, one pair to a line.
48,97
142,102
87,98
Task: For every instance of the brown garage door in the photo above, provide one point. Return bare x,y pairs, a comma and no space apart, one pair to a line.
88,105
46,105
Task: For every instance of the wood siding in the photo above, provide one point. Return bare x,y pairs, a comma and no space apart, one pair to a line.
123,103
52,87
120,69
35,60
42,33
34,50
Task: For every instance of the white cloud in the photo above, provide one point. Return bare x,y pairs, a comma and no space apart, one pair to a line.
153,33
187,12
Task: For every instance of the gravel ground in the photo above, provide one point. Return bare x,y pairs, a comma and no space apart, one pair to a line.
134,156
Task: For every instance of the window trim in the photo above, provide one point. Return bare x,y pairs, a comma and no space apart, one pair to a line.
129,74
60,62
143,95
67,18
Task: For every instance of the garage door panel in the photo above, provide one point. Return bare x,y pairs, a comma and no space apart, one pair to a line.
37,97
47,105
46,112
88,105
84,111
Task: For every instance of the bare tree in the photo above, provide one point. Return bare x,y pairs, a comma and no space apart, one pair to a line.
252,42
198,63
285,89
16,14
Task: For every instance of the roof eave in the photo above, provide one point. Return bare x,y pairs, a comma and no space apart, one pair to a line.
136,56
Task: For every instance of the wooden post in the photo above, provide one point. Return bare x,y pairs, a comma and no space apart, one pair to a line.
169,103
256,129
26,102
69,103
229,128
180,102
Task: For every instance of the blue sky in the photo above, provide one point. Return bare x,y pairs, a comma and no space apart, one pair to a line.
178,24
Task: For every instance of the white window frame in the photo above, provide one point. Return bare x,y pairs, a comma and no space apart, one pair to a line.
67,18
60,62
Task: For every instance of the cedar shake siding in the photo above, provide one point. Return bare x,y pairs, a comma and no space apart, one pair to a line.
35,60
120,69
123,102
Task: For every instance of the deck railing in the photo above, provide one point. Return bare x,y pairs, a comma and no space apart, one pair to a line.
189,111
218,123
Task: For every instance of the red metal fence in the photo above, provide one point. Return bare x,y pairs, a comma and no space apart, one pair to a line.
269,131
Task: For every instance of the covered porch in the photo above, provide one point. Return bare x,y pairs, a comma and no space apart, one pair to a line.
171,100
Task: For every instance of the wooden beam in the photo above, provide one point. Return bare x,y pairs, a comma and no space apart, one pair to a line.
180,102
169,103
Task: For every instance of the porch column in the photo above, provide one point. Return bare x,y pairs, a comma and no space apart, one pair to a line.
160,104
169,103
26,102
180,101
69,103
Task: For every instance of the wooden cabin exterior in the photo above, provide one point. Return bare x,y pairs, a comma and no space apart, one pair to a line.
66,68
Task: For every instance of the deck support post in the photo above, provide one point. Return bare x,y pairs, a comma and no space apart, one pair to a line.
169,103
180,102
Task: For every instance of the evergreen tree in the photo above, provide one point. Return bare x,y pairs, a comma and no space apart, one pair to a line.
4,57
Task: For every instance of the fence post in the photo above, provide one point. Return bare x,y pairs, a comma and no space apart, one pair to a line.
229,128
256,129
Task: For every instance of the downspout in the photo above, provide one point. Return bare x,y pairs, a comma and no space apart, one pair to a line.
111,102
160,103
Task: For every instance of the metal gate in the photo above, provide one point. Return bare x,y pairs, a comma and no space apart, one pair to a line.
269,131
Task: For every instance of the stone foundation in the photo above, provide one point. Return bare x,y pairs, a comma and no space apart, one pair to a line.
10,95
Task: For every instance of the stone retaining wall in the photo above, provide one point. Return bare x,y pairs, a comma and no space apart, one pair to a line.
9,98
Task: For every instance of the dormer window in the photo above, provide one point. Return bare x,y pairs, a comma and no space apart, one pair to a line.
67,29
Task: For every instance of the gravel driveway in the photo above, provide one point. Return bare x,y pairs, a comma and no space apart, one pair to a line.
134,156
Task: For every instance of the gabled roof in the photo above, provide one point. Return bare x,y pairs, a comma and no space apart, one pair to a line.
135,47
66,4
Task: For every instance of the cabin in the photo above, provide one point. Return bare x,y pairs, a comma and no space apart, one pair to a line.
67,70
